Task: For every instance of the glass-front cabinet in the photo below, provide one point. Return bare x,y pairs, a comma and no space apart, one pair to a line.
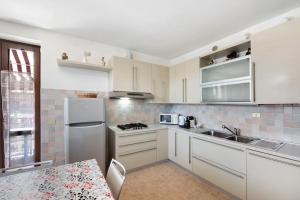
229,81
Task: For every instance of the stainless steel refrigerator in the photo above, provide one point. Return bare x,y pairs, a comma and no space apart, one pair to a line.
85,130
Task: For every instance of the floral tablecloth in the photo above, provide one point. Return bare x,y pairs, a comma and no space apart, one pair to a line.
81,180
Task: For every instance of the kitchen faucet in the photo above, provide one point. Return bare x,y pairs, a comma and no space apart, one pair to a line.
235,131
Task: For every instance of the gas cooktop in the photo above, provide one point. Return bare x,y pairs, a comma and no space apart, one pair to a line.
132,126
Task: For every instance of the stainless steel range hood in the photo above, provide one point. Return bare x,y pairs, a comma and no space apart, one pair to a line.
131,95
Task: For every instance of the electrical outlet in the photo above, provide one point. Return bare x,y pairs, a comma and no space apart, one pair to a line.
256,115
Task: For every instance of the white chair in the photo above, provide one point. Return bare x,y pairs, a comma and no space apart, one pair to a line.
25,168
115,177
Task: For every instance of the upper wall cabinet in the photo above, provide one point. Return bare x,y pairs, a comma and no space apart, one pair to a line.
275,53
130,75
184,82
160,83
141,76
228,79
122,74
138,76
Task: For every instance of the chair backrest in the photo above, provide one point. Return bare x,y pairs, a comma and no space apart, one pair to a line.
25,168
115,177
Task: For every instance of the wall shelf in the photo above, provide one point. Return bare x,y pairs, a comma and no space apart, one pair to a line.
82,65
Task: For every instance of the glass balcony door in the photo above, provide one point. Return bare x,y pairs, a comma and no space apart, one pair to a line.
20,104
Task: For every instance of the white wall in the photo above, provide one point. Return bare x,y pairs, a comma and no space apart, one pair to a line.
53,44
238,37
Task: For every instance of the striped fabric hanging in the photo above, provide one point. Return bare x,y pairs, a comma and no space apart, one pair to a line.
21,61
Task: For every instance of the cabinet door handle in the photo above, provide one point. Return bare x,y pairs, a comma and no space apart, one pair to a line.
135,134
183,90
175,144
140,151
133,78
136,78
230,147
275,160
190,149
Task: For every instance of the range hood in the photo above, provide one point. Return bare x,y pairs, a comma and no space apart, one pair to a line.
131,95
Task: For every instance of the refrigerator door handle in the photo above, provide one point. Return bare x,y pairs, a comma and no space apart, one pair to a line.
86,125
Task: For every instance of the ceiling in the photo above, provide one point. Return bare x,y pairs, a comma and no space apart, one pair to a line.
163,28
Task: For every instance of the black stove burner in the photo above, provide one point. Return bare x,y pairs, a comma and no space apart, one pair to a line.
132,126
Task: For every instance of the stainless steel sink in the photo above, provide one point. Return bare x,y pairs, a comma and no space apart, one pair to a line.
241,139
216,134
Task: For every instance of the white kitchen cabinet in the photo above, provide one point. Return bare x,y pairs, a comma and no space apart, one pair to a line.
229,181
172,84
172,141
272,177
121,76
184,150
220,164
160,83
162,145
180,83
275,53
192,72
185,80
142,77
231,157
180,148
130,75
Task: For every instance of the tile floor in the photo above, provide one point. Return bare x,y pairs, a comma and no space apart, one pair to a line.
167,181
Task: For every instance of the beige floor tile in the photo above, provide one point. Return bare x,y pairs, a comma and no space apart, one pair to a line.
167,181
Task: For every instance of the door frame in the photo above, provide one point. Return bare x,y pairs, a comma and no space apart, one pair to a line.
4,65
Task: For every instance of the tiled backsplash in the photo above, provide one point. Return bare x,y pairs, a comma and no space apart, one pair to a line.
281,122
276,121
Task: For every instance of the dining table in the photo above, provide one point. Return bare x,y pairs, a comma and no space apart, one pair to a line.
79,180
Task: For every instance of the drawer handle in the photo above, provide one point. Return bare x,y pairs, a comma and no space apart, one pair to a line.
220,144
275,160
135,134
126,154
138,142
214,165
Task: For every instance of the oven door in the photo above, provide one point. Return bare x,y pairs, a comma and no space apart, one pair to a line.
165,119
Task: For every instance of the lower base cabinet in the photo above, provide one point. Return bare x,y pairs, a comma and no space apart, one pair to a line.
225,179
272,178
138,159
138,149
180,148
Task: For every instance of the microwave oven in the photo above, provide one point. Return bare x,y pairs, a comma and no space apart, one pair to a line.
168,118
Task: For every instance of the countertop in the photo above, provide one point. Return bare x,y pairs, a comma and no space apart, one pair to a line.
80,180
288,150
151,127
